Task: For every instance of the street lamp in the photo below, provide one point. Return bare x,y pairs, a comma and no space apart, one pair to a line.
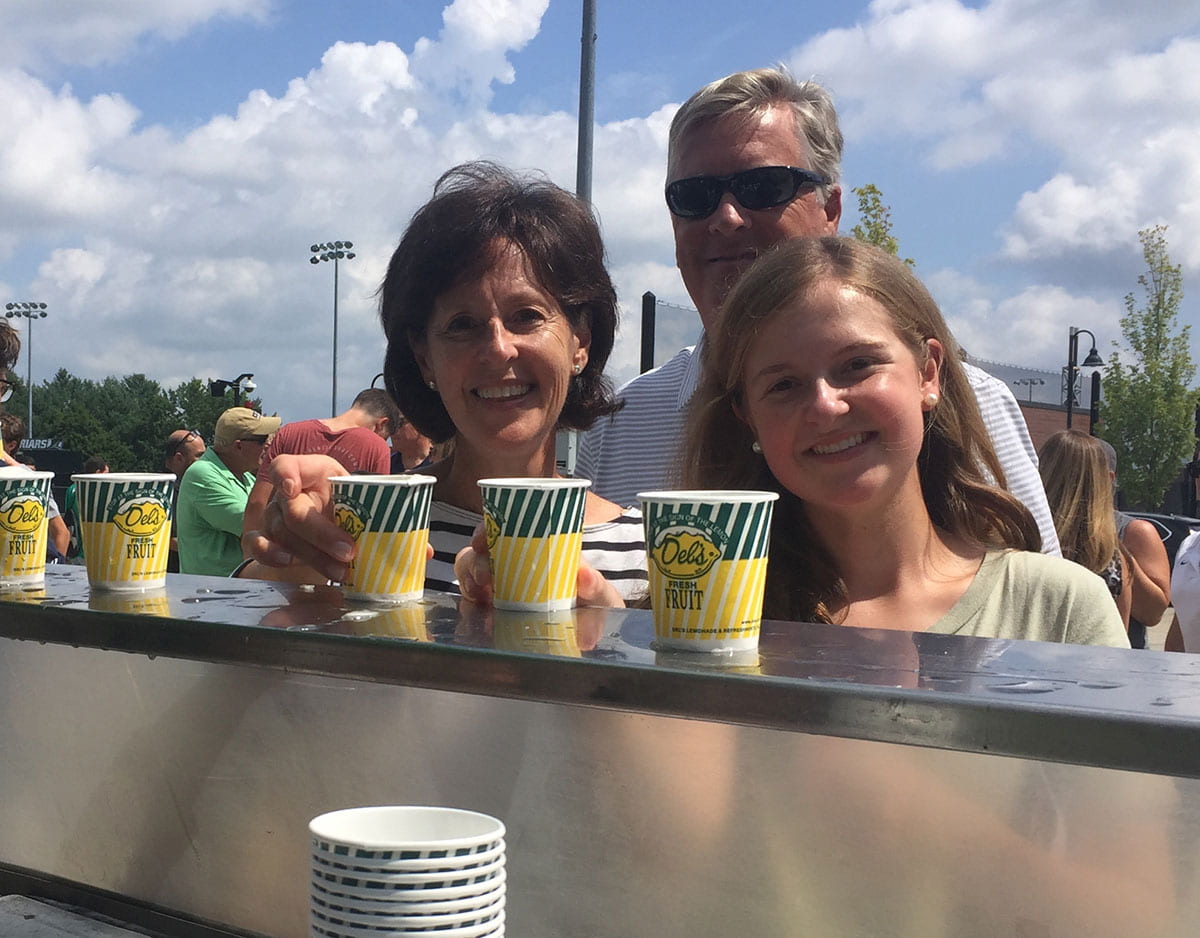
1029,382
30,311
1093,360
333,251
242,383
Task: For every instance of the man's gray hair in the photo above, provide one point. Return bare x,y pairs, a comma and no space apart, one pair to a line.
749,94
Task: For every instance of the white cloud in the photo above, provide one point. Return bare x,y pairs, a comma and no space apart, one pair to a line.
92,32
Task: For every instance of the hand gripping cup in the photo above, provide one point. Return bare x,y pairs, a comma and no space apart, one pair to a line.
124,524
534,534
388,517
707,554
23,499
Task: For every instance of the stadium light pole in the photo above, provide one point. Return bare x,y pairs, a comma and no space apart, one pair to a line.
30,311
333,251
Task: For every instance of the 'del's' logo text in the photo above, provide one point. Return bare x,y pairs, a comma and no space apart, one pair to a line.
685,552
349,521
140,517
491,527
21,515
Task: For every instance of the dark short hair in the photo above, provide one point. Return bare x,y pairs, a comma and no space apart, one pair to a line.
452,238
378,403
94,464
12,431
10,347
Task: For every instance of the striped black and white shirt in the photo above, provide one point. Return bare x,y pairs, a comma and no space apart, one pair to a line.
616,549
636,450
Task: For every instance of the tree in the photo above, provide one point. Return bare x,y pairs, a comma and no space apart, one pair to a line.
1148,409
875,221
122,420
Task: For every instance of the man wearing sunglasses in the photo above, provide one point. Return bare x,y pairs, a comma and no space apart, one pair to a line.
753,160
213,493
183,447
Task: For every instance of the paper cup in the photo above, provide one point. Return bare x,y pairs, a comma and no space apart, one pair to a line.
707,559
535,535
396,831
124,524
388,517
23,499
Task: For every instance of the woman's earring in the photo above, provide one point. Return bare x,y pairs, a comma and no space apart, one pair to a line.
756,447
431,385
576,368
929,401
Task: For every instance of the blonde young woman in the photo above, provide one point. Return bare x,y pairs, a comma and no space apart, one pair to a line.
1078,482
832,379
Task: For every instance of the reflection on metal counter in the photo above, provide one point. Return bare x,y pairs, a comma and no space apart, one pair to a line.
849,783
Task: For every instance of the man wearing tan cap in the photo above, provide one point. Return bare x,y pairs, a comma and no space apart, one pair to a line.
213,493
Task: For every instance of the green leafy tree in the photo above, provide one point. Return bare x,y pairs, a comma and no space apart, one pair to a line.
875,221
1148,409
122,420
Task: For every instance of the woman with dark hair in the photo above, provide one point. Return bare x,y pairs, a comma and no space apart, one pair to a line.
833,380
499,317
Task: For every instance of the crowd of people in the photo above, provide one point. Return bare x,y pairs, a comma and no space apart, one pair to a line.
910,491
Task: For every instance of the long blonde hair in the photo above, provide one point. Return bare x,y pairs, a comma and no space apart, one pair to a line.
1074,470
956,464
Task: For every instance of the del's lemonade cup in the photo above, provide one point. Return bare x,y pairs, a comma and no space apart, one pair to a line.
23,499
125,527
388,517
707,559
534,535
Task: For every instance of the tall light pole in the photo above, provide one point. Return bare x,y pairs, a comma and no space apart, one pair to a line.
1093,360
333,251
30,311
1029,382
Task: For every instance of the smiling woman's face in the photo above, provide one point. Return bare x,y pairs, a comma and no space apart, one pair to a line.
502,354
836,400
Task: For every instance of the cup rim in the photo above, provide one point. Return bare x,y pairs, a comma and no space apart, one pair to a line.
432,895
369,899
478,930
325,826
410,877
486,930
462,861
402,479
537,483
738,496
22,472
399,919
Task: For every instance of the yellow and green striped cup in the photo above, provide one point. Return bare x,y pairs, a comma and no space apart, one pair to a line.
125,527
23,499
535,535
707,559
388,517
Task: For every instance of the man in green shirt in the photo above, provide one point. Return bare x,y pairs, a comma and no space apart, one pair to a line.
213,493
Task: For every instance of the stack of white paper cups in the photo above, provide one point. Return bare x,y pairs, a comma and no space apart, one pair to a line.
407,870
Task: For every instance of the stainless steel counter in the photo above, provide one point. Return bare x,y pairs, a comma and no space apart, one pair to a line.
171,748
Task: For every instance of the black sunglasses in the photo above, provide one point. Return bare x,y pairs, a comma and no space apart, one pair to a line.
755,189
6,391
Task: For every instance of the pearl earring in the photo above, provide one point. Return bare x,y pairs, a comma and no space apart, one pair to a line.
577,368
756,447
929,402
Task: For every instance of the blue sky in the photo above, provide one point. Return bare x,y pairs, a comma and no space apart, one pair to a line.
167,165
